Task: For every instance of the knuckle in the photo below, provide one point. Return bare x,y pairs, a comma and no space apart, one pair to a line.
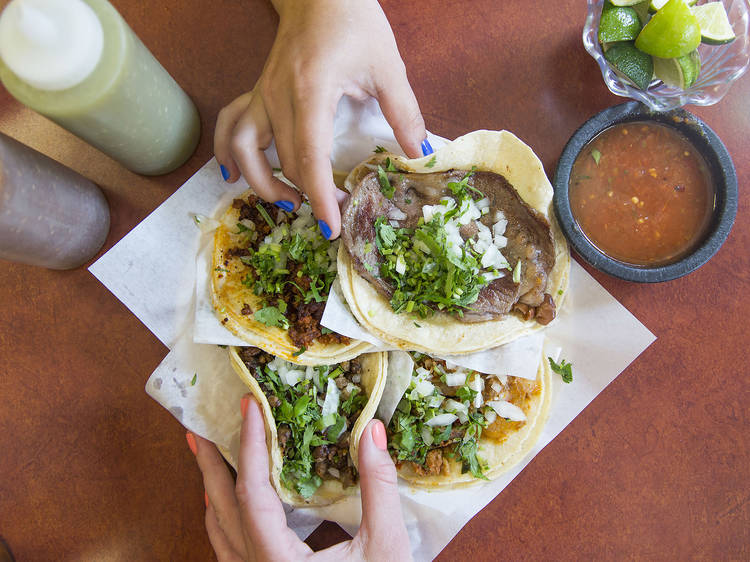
242,491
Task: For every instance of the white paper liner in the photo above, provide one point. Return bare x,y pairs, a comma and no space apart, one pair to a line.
152,271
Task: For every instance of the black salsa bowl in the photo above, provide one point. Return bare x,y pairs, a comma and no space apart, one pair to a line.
720,170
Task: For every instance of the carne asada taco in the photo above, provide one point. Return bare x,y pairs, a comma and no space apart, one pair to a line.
270,278
454,426
457,251
314,418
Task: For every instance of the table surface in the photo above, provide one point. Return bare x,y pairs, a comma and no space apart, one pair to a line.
655,467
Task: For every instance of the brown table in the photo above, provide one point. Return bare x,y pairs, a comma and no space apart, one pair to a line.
655,467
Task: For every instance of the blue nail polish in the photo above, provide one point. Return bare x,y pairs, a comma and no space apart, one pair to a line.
426,147
324,229
286,205
224,172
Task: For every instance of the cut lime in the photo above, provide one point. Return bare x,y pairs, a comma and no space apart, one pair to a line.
618,23
642,10
680,72
635,65
656,5
671,32
625,2
714,23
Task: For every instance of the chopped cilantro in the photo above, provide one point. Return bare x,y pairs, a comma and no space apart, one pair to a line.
194,379
389,167
299,352
272,316
265,215
431,162
385,185
564,369
379,149
596,155
241,228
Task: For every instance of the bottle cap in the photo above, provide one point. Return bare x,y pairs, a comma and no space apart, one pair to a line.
48,44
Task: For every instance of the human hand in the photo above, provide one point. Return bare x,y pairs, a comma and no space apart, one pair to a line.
324,49
246,520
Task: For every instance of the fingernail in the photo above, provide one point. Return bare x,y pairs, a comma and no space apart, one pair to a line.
426,147
244,403
324,229
224,172
285,205
378,435
205,498
191,442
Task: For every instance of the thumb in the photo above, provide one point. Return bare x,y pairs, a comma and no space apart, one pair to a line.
383,533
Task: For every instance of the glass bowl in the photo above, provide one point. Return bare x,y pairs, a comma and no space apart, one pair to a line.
720,64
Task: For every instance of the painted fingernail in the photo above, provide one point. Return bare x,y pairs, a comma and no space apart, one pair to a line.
205,498
191,442
426,147
378,435
224,172
324,229
244,403
285,205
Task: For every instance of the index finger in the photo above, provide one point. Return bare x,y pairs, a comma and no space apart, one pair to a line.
313,138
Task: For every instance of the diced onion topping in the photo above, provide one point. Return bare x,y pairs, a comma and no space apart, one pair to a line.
455,379
441,420
331,403
507,410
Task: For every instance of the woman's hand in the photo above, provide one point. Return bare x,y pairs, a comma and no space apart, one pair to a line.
246,521
324,49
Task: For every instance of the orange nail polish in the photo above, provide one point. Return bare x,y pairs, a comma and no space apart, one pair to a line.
191,442
244,403
378,435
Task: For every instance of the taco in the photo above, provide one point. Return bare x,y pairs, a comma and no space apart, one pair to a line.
270,277
314,418
457,251
454,427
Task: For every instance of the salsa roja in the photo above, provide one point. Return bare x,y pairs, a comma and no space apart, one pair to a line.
641,193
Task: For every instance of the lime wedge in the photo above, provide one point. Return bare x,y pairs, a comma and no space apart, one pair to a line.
635,65
656,5
618,23
625,2
671,32
714,23
679,72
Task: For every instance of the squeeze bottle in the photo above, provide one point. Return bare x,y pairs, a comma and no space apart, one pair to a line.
78,63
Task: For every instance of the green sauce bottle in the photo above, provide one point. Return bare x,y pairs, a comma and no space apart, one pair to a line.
79,64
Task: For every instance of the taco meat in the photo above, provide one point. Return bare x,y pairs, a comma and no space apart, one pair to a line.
528,235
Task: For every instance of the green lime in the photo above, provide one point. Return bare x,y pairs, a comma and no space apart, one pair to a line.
656,5
625,2
714,23
671,32
635,65
679,72
641,8
618,23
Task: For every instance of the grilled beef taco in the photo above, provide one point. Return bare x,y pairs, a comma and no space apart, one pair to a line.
454,426
457,251
270,278
314,417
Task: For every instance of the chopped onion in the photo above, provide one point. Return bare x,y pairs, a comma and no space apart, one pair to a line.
428,212
489,415
493,258
356,379
435,401
331,403
424,388
334,472
309,372
455,379
483,205
507,410
461,409
500,241
441,420
400,264
427,435
396,214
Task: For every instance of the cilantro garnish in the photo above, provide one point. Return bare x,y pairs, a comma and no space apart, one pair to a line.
389,167
385,185
242,228
299,352
431,162
265,215
596,155
272,316
194,379
564,369
379,149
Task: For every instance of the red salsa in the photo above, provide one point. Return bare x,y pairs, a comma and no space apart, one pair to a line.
641,193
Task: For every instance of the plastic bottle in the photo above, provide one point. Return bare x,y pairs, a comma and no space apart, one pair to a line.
78,63
50,216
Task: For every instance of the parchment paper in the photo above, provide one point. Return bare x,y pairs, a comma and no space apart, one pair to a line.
153,269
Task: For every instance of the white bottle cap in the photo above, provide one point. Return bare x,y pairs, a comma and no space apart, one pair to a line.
50,44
